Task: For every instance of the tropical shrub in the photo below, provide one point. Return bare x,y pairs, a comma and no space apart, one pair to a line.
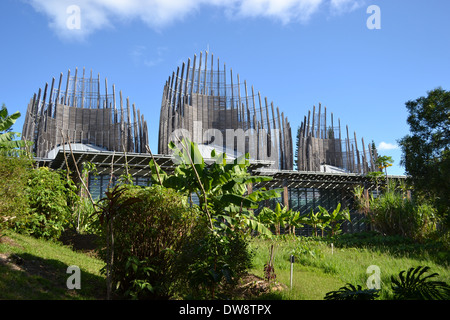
226,213
48,211
13,179
146,237
212,264
84,218
325,220
276,218
394,213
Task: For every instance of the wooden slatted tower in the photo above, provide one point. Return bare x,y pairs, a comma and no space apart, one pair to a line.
203,100
320,143
82,113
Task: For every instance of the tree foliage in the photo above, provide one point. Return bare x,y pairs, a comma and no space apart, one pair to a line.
227,208
47,213
426,150
14,172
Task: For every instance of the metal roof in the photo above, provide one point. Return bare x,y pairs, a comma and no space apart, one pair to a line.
318,180
105,161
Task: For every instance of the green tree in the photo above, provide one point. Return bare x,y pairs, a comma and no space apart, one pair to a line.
426,150
375,176
384,162
226,205
312,219
293,221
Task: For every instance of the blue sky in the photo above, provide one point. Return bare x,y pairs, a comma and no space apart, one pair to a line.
297,53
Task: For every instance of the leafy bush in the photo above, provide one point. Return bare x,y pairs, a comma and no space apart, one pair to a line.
148,236
13,178
226,207
48,212
213,264
84,219
394,213
304,250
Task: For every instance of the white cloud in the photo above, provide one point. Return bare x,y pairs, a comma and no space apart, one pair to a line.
387,146
342,6
284,10
99,14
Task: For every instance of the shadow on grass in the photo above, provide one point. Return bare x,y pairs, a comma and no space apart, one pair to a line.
28,277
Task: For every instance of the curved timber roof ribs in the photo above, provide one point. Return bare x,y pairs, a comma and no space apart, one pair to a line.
206,100
82,113
319,144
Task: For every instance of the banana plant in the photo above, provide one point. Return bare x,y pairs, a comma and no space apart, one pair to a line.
323,219
275,218
337,218
8,143
293,221
221,186
312,219
223,195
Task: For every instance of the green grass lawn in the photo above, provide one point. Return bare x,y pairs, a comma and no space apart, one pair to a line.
37,269
318,269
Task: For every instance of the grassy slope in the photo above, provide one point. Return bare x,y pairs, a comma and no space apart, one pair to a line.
318,270
37,269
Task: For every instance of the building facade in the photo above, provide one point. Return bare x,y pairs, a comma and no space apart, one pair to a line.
204,102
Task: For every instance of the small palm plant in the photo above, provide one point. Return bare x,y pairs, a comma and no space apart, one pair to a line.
350,292
414,285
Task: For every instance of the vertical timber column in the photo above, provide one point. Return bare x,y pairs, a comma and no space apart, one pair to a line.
285,195
135,131
357,153
268,154
199,100
280,144
175,111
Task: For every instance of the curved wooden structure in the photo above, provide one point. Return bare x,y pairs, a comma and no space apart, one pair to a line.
321,146
214,108
81,113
